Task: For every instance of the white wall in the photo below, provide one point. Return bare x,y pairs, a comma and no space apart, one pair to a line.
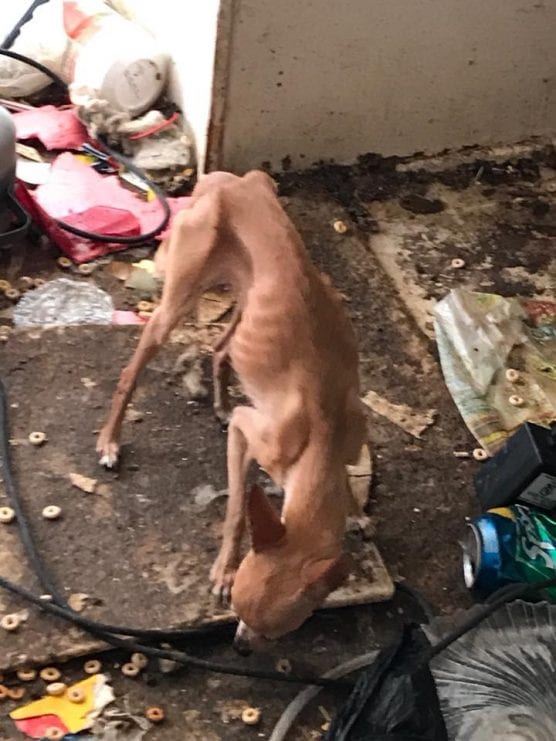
10,13
323,79
337,78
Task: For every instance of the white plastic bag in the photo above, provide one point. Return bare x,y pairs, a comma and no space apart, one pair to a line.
483,328
112,59
43,39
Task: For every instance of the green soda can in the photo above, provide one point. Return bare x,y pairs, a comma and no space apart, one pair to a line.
510,545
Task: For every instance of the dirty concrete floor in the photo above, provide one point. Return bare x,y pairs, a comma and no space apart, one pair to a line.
406,221
142,541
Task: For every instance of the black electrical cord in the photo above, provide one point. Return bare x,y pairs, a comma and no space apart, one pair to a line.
112,634
56,79
108,633
179,657
419,600
140,238
103,238
37,563
14,33
505,594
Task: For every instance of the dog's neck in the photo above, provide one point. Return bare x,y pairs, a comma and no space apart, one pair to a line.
316,504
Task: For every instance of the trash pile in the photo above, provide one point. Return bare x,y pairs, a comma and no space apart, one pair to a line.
88,168
76,194
491,680
498,356
87,709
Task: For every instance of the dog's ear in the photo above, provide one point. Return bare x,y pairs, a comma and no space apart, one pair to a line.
324,576
264,520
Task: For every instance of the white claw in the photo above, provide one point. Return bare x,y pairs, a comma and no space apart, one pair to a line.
108,461
222,593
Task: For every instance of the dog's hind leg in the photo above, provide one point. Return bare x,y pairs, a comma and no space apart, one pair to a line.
221,371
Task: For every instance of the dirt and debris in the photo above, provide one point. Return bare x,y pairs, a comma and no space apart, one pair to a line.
392,264
410,420
85,483
360,478
78,601
124,544
214,306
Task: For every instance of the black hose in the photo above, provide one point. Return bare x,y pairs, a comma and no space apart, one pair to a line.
137,239
111,634
14,33
179,657
56,79
37,562
502,596
419,600
103,238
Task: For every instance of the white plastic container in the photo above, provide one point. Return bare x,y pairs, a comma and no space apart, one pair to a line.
112,59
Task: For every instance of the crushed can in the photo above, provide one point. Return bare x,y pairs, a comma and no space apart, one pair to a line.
510,545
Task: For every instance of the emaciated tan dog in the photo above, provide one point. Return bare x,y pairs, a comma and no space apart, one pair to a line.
292,347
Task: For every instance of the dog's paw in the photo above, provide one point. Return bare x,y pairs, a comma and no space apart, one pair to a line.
108,451
222,576
223,416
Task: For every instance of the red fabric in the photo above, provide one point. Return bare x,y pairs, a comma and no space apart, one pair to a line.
56,128
75,187
37,727
127,317
75,190
106,220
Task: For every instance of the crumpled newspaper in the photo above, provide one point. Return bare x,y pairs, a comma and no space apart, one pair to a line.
117,724
479,337
63,301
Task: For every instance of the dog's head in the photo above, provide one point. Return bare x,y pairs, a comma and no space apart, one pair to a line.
277,587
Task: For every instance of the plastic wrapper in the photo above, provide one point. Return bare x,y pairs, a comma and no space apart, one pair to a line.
62,302
394,698
496,682
479,337
18,80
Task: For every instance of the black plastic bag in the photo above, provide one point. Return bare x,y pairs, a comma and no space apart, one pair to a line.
394,699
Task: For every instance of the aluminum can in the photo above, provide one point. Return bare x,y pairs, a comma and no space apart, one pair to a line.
510,545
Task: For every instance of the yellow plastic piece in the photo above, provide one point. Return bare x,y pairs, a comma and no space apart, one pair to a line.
73,715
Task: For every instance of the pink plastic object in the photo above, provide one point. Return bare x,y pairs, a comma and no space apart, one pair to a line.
74,189
37,727
56,128
106,220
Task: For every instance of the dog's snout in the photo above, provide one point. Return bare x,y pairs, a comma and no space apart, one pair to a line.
243,640
242,646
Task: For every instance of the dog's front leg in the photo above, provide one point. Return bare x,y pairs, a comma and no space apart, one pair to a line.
245,437
186,254
154,335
